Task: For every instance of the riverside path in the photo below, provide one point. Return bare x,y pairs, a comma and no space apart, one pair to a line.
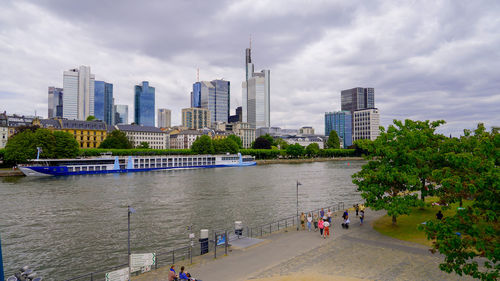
359,253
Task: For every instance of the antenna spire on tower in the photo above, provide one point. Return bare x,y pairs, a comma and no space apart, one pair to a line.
250,41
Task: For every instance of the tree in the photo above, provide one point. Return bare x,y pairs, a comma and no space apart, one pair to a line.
203,145
295,150
66,145
262,143
470,238
143,145
225,145
237,140
270,139
333,140
312,149
91,118
20,147
281,143
390,178
116,140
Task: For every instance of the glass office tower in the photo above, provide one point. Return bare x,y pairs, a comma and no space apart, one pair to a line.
144,104
55,102
357,99
196,95
103,101
340,122
121,114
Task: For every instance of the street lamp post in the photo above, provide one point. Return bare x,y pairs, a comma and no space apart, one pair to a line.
298,183
130,210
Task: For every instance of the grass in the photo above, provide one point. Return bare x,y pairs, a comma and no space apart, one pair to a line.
406,227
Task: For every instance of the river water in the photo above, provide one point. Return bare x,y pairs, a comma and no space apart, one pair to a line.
67,226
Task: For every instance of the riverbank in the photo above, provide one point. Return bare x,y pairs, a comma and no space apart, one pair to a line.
305,160
9,172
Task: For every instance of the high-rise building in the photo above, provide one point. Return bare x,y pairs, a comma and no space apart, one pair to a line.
340,122
215,97
103,102
78,98
196,95
55,102
144,105
238,117
256,95
357,98
121,114
164,118
196,118
366,124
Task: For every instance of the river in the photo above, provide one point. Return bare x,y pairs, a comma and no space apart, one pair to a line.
66,226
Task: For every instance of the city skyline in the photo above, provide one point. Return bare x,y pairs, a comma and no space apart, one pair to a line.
438,65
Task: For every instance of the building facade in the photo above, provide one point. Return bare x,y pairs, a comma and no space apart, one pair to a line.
164,118
155,137
144,105
196,95
78,98
88,134
196,118
121,114
256,108
184,139
306,131
215,96
4,130
357,98
237,117
103,102
366,124
55,102
306,140
246,133
340,122
14,122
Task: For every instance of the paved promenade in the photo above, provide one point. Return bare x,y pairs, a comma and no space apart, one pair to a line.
359,253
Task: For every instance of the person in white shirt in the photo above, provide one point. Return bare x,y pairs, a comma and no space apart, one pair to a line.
309,221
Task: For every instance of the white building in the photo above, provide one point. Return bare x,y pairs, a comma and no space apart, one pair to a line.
164,118
305,141
78,98
155,137
306,131
366,123
245,132
256,95
184,139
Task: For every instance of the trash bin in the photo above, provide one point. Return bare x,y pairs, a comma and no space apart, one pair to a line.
238,228
203,241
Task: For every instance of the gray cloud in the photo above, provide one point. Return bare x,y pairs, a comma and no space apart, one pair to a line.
426,60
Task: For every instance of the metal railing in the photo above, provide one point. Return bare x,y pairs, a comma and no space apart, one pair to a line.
188,252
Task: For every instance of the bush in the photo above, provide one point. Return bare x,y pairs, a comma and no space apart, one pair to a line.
2,153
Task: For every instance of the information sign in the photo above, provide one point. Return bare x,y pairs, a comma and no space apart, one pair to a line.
138,261
118,275
221,239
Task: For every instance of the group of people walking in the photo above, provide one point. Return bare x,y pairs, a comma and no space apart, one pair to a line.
323,221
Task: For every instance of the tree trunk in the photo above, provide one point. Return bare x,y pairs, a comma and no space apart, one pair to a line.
393,220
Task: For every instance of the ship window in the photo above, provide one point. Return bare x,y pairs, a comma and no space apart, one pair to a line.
97,168
84,168
70,169
103,168
91,168
77,169
136,166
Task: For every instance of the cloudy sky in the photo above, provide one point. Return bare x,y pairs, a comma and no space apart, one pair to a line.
425,59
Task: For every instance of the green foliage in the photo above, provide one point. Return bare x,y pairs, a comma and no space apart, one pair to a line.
336,152
23,146
203,145
237,140
222,146
270,139
116,139
2,153
469,170
312,149
88,152
262,142
333,140
91,118
143,145
263,153
281,143
295,150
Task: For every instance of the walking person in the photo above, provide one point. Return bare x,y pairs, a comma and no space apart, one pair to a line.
326,225
322,213
356,207
321,226
345,215
315,222
309,221
303,221
329,216
361,216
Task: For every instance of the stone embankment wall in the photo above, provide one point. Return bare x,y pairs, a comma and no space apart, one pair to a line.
304,160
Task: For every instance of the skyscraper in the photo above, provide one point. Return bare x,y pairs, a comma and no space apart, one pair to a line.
144,105
340,122
357,98
196,95
78,98
215,97
55,102
256,95
195,118
164,117
121,114
366,124
103,102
